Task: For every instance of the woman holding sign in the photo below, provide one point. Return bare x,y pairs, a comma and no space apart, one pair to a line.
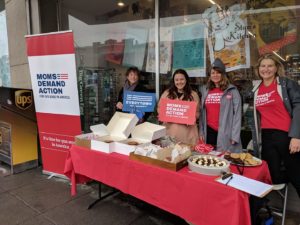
221,116
132,84
180,89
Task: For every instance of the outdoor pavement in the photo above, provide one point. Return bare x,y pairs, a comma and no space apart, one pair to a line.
31,198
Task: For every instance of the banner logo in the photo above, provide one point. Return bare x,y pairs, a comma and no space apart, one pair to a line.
23,99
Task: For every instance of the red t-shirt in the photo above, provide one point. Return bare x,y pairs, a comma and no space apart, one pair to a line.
212,104
271,108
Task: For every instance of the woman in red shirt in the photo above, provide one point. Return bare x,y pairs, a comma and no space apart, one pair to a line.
277,120
221,114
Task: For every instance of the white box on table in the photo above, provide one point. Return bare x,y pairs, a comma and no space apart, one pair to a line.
118,128
142,133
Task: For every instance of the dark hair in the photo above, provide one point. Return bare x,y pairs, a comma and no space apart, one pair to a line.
187,90
224,83
132,69
280,68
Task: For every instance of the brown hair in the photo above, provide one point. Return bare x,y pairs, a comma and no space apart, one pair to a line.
224,83
187,90
134,70
280,68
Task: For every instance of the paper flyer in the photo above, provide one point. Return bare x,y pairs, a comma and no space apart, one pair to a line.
248,185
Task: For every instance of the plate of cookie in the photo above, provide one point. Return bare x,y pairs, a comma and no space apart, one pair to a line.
208,165
242,159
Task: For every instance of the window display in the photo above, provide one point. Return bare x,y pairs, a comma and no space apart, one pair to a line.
191,34
4,58
97,95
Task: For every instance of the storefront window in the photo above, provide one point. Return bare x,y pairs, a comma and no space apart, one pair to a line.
4,59
109,39
192,34
236,32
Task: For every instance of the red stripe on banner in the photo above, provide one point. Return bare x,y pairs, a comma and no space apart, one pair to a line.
56,133
52,44
58,123
53,161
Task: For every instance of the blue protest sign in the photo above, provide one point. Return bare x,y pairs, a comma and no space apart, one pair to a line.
138,101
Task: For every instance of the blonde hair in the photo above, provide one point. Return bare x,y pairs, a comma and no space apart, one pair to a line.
280,68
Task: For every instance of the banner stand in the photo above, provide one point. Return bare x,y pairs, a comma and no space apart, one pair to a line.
51,174
51,59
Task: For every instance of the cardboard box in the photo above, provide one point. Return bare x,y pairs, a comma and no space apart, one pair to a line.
118,128
84,140
160,163
164,157
142,133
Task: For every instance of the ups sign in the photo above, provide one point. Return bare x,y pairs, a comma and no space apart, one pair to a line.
23,99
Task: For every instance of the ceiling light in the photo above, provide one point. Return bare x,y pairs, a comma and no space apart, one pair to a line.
279,56
121,3
249,32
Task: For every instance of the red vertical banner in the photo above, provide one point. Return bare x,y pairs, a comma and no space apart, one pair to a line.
52,66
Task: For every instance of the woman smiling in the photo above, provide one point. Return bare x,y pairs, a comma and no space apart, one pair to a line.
277,120
220,123
180,89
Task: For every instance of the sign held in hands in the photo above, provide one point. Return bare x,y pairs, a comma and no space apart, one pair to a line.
177,111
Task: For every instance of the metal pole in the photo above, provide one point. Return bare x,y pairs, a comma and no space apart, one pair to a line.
58,14
157,59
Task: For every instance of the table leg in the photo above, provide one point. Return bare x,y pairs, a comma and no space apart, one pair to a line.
100,197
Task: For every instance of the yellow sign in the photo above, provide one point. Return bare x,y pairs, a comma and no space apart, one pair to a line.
23,99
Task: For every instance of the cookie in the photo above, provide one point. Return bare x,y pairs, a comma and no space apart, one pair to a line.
235,155
132,143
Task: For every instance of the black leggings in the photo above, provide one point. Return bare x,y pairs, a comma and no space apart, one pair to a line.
275,150
211,136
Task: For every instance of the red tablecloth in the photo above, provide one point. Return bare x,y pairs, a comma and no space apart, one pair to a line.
194,197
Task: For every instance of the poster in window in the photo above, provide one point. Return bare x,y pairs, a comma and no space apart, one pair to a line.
228,36
189,49
135,47
114,51
276,26
165,50
4,58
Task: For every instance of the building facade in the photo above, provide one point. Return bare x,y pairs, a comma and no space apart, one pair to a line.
190,35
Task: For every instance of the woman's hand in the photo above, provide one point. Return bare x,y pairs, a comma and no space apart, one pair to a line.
294,145
119,105
201,137
233,142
